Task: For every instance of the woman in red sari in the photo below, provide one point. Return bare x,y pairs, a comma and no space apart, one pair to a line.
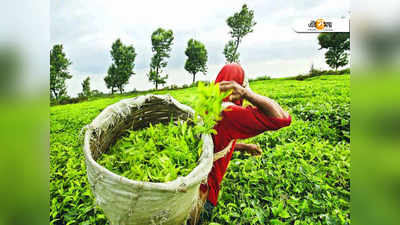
237,122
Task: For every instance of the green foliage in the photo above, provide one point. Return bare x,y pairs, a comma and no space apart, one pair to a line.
304,171
197,58
241,23
158,153
161,153
337,44
208,107
63,100
332,72
121,69
161,40
344,71
295,183
316,72
230,52
85,88
303,176
58,72
265,77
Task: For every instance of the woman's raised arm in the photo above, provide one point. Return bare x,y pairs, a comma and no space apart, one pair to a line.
268,106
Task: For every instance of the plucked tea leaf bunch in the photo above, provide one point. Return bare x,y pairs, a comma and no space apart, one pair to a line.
161,153
208,107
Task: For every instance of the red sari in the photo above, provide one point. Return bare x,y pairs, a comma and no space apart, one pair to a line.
237,123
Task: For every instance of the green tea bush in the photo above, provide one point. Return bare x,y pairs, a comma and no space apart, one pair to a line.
302,177
303,174
296,183
338,116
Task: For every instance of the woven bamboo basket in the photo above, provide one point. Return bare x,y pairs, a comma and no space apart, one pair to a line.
130,202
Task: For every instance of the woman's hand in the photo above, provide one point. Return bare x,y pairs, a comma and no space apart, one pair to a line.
238,91
267,105
252,149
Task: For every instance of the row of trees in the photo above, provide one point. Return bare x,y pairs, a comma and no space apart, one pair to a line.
123,58
59,74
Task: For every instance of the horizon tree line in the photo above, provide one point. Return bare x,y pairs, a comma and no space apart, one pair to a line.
122,66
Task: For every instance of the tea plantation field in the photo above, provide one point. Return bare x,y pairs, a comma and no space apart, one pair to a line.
302,177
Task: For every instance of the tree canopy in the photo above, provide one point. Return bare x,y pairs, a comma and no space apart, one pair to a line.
121,69
86,87
161,41
58,72
337,43
197,58
241,23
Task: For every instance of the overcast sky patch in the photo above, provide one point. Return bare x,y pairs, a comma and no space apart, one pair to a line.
87,30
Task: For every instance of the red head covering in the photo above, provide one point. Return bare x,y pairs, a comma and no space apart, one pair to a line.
231,72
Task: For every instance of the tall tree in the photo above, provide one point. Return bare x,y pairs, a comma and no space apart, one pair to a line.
161,40
121,69
337,44
197,58
86,87
58,72
241,23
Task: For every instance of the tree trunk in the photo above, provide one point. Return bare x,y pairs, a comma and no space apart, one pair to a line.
337,58
55,95
157,76
237,45
194,78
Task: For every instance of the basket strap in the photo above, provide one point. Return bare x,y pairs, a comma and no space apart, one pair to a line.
223,152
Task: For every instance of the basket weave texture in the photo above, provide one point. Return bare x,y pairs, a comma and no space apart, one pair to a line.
130,202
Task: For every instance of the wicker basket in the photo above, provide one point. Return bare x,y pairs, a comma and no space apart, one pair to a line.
126,201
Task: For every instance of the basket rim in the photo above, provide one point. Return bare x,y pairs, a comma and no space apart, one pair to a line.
199,173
